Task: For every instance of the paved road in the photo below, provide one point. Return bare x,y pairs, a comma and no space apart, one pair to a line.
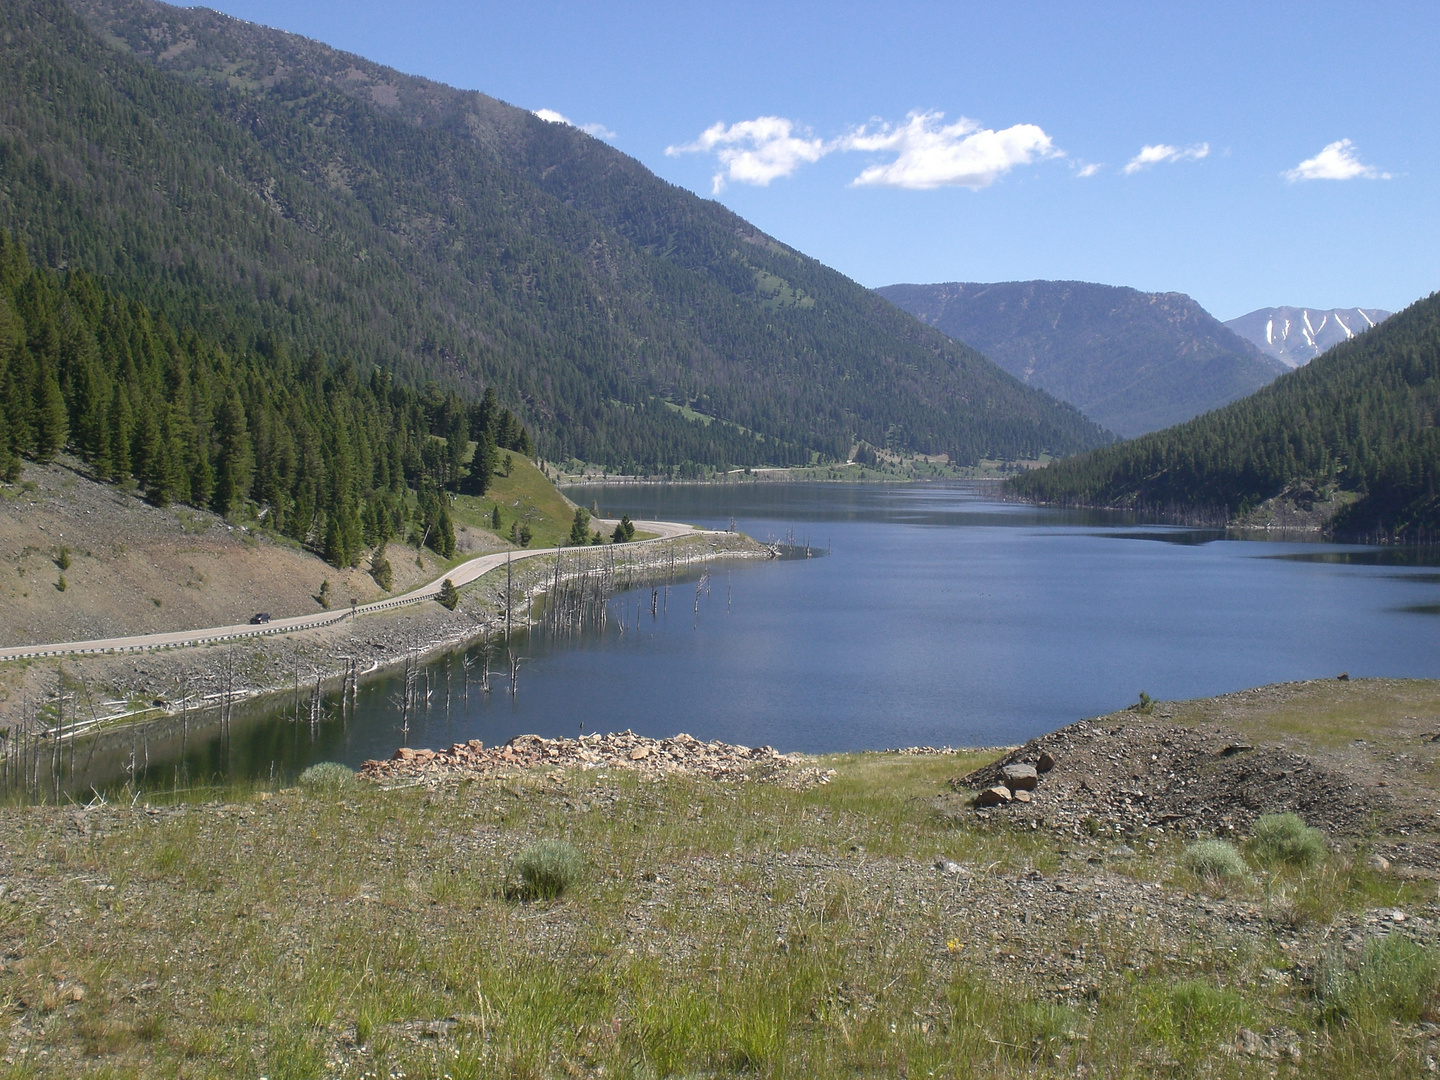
463,574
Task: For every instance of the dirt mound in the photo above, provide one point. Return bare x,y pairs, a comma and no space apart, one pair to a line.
623,750
1143,773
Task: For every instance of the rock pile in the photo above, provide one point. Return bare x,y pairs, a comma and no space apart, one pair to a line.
655,758
1143,773
1017,780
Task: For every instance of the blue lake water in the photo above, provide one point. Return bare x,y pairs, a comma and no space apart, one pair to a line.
938,616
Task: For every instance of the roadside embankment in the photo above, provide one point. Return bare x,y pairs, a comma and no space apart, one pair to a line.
106,688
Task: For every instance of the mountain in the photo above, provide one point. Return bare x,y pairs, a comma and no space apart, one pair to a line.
1131,361
1295,336
1359,420
255,187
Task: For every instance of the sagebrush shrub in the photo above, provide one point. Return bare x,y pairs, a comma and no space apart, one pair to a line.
1285,839
548,869
326,774
1213,860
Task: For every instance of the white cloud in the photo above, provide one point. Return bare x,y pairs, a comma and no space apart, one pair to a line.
754,151
932,154
1083,171
1153,155
1336,162
550,116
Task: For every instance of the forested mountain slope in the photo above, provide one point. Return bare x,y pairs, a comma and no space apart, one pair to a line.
1361,418
337,461
255,187
1131,361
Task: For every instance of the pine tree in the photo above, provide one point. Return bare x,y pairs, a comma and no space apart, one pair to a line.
580,527
9,463
119,434
446,529
237,460
449,595
381,570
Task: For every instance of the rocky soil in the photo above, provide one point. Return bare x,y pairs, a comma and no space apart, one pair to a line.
1156,775
653,758
1158,771
141,569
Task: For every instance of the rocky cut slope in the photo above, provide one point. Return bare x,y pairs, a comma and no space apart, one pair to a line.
253,184
1130,360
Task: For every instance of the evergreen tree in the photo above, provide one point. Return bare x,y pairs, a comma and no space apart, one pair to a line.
446,530
580,527
51,422
9,462
236,458
449,595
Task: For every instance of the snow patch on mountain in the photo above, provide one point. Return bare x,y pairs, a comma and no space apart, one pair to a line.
1295,335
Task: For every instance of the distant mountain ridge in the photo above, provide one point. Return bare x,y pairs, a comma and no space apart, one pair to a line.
1295,336
1132,361
257,188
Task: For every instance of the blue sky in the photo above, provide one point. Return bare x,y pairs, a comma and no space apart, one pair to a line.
1039,167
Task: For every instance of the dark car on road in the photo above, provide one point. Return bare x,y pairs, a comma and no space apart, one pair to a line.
263,617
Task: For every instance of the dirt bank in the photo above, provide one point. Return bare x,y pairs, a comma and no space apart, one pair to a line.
139,569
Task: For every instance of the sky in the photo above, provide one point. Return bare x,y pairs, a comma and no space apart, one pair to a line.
1248,154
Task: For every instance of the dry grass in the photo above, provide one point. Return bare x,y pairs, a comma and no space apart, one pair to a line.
717,929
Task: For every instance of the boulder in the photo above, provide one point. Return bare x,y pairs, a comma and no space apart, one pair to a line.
994,796
1046,762
1020,777
640,753
1021,795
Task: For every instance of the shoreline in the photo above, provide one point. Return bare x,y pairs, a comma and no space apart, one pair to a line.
209,682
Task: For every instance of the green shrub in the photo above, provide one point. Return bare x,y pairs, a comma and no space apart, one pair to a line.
1285,840
381,570
1395,979
548,869
1213,860
326,775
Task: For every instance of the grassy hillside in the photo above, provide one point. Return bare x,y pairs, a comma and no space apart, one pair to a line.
525,496
1359,420
1132,361
255,185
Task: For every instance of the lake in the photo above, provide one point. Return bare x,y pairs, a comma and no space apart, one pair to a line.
930,614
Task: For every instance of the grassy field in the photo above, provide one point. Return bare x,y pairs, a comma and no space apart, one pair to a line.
712,929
